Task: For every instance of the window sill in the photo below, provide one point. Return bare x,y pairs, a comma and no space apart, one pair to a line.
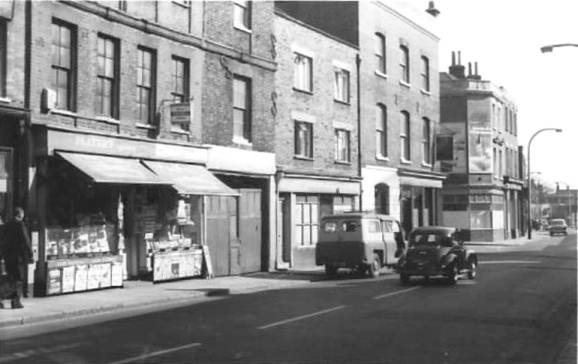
302,91
5,100
108,120
346,103
404,161
308,247
303,158
381,74
242,141
242,28
404,84
63,112
425,92
180,131
345,163
145,126
425,164
382,158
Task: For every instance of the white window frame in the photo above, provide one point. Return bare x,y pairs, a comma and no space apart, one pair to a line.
341,84
303,72
342,145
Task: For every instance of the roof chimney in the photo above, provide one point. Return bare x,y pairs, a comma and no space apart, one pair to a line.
432,9
475,75
457,70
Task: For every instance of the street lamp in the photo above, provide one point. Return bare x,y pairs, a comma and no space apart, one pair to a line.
550,48
530,180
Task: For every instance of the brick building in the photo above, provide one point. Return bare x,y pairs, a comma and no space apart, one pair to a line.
316,134
483,191
133,133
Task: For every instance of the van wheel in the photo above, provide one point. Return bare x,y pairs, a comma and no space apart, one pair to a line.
374,267
473,269
330,270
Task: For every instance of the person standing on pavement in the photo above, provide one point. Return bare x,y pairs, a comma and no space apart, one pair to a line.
16,251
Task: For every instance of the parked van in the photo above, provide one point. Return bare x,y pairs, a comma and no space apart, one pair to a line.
363,241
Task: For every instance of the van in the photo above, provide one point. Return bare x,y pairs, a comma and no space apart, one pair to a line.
362,241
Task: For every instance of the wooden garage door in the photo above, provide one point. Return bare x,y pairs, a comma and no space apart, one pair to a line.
250,230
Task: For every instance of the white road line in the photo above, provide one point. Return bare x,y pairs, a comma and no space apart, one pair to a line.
300,318
156,353
395,293
510,262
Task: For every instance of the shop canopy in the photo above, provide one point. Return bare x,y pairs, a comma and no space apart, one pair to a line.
104,169
189,179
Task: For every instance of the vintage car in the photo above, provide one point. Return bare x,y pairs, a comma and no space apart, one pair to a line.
436,251
359,240
558,226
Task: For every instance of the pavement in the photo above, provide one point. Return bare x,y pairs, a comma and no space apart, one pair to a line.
147,295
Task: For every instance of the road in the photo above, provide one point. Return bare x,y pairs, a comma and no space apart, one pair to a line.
520,309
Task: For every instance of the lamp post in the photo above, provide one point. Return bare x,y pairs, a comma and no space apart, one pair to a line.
550,48
530,179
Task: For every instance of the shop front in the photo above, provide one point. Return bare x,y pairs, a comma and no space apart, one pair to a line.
303,201
112,208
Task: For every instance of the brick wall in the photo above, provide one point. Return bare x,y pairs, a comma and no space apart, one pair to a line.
388,90
319,104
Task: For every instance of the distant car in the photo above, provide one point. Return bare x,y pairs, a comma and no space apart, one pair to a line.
437,251
362,241
558,226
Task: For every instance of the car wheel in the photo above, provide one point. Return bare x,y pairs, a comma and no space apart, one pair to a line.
453,274
330,270
473,269
404,279
374,267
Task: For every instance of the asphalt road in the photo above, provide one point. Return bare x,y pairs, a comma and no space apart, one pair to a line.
520,309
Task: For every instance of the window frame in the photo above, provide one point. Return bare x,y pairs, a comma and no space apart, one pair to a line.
381,131
176,94
242,8
343,93
301,151
404,64
405,136
244,135
302,76
342,145
69,70
426,140
151,88
380,54
114,79
425,74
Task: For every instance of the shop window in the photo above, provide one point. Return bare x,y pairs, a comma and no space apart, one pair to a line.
342,204
242,109
146,85
306,220
382,199
63,64
108,77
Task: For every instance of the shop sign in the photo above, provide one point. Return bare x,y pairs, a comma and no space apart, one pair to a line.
181,113
54,281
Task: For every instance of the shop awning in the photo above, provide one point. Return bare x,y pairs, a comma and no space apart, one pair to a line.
189,179
104,169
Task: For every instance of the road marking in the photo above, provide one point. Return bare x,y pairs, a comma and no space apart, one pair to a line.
38,351
395,293
156,353
300,318
510,262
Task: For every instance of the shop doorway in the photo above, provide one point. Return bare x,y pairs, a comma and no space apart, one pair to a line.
250,230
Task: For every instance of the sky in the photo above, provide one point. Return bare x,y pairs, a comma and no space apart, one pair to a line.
505,37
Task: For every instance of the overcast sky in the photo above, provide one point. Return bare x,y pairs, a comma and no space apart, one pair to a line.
505,37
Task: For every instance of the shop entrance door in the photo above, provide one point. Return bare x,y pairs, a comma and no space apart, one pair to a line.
250,230
218,214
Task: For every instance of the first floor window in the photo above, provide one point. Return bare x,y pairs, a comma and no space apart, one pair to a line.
63,56
242,108
381,131
107,75
306,220
380,53
342,145
303,72
404,63
404,136
146,65
342,85
426,141
425,73
242,14
303,139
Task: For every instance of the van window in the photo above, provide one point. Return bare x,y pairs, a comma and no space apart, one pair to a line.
387,226
330,227
396,227
373,226
350,226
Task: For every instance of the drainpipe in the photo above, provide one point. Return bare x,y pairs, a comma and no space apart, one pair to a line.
359,155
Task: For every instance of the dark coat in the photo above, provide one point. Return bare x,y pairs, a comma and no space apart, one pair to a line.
15,249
